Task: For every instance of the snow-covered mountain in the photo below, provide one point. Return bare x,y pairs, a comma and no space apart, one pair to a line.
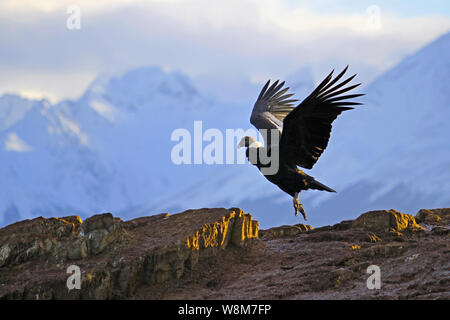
110,150
43,154
107,151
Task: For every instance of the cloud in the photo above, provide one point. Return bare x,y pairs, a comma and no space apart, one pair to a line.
14,143
255,39
56,5
50,83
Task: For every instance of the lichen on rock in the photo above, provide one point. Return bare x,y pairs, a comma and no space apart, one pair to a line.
386,220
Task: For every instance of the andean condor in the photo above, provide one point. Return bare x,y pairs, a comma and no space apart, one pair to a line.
303,131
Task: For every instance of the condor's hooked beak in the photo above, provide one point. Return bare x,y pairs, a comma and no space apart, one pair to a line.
241,144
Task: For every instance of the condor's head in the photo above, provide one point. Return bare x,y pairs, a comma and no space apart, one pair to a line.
249,142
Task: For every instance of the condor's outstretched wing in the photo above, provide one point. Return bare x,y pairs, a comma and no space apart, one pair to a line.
272,105
307,128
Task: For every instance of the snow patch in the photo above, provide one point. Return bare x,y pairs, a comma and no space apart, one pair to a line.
104,109
71,127
14,143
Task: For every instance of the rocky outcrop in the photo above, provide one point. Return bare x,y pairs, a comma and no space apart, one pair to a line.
221,254
115,257
433,217
387,220
284,231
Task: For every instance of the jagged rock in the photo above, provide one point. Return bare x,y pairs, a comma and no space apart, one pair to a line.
373,237
97,222
189,236
116,256
75,220
385,250
245,228
440,230
284,231
29,239
100,230
77,250
334,279
386,220
5,252
433,217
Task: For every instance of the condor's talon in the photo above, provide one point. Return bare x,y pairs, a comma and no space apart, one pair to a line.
302,212
296,203
298,206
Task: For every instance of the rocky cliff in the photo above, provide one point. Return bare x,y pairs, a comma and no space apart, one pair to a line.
221,254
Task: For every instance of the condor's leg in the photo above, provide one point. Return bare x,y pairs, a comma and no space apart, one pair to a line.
298,206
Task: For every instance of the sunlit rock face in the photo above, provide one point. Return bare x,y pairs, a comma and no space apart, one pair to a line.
386,220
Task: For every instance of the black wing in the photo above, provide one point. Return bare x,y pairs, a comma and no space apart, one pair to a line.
271,107
307,128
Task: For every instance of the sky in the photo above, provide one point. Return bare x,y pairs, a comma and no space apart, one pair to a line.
220,44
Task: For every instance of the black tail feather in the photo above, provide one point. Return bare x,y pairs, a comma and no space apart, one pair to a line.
316,185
